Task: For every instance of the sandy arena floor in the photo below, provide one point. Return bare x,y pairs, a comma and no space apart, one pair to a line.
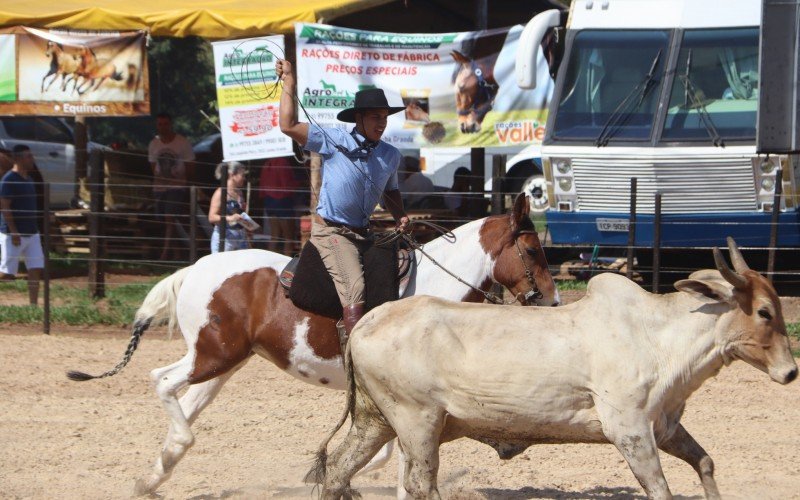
62,439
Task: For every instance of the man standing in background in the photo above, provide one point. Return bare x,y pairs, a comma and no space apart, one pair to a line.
19,234
170,155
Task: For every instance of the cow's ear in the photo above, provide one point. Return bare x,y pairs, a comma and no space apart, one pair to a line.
520,212
707,291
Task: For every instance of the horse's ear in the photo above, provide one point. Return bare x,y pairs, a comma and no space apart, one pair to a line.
521,211
459,57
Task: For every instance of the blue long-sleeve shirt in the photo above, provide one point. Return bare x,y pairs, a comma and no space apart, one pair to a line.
352,187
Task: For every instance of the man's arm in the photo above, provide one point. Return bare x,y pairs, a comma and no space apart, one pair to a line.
288,113
394,203
5,208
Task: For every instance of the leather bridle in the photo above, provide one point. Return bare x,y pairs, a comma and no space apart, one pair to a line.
534,293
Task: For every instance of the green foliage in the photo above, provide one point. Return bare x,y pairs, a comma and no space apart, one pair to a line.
793,329
181,84
76,308
571,285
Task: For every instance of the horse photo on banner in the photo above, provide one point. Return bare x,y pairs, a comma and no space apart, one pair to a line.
458,88
65,73
248,96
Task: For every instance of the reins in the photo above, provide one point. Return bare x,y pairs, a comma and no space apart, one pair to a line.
392,236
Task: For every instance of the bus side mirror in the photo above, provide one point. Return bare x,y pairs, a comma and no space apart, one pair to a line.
529,43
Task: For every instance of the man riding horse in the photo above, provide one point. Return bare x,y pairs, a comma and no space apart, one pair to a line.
359,169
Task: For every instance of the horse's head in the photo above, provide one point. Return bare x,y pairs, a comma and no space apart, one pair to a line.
86,54
51,47
519,261
476,89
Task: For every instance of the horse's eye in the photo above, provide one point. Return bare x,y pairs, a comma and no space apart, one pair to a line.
764,313
531,251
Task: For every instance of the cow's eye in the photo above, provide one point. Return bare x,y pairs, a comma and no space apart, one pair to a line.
764,313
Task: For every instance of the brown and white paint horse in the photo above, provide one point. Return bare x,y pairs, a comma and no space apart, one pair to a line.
230,306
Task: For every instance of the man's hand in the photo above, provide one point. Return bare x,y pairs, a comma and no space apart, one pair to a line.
16,240
283,68
404,224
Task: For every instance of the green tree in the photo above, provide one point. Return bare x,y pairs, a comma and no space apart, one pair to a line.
181,83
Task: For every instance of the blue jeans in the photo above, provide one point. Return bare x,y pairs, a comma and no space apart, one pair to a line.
235,239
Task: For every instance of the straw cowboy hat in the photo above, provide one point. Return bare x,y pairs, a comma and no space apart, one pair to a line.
367,99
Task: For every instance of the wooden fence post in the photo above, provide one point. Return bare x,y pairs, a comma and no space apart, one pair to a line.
97,287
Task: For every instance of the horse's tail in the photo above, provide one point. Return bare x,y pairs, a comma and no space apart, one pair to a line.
159,307
317,473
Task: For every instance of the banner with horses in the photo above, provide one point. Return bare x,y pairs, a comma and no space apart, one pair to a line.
67,73
248,95
458,88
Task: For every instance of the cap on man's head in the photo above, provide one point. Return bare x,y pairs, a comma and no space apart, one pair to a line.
367,99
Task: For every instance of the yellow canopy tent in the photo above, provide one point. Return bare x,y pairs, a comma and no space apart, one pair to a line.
178,18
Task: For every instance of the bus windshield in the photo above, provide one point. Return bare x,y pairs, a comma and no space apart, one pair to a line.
611,86
714,95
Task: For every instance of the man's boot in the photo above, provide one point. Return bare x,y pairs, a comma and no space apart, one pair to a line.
350,316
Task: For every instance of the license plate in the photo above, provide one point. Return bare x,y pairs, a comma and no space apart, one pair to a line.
616,225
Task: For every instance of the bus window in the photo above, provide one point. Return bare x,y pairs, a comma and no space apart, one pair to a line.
717,72
604,81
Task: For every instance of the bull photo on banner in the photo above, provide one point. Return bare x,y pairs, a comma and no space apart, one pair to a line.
458,88
66,73
248,96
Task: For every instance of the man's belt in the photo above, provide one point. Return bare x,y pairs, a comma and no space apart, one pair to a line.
361,231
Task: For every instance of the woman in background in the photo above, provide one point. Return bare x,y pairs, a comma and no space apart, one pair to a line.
235,234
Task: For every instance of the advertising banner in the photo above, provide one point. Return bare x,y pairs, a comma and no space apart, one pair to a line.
458,88
248,95
65,73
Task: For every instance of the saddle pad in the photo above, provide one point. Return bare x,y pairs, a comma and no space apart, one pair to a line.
312,288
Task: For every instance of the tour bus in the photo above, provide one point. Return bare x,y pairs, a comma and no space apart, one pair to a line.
664,91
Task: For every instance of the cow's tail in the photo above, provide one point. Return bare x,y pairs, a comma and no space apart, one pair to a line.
158,307
317,473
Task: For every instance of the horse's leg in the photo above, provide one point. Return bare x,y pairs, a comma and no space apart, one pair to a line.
65,81
87,83
194,401
51,81
102,79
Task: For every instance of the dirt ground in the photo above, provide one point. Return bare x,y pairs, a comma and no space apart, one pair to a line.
93,439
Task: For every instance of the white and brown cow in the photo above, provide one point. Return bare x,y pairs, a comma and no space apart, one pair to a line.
615,367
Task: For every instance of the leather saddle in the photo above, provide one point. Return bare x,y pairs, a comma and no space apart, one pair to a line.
405,262
306,282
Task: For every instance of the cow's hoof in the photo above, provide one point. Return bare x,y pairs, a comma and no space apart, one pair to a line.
141,488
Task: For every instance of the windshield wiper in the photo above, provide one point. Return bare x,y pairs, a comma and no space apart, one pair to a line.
691,96
618,116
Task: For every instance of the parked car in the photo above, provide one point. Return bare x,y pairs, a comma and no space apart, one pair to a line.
52,143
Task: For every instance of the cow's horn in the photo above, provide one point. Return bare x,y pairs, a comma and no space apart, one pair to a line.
736,257
737,280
